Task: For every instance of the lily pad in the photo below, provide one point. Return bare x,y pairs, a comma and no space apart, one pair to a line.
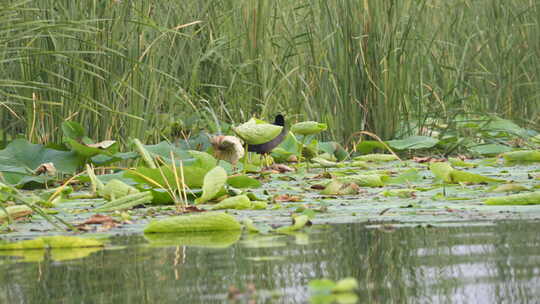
206,221
490,149
243,181
57,241
376,157
413,143
213,239
235,202
526,156
532,198
447,174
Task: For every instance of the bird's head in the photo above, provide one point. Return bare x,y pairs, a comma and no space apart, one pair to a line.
279,120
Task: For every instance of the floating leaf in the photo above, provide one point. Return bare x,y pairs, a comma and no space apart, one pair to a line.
254,133
243,181
205,239
336,187
525,156
413,143
532,198
213,182
57,241
259,205
376,157
509,188
206,221
346,285
368,146
250,227
456,162
308,127
442,171
367,180
116,189
235,202
490,149
408,176
447,174
14,212
298,223
60,241
402,193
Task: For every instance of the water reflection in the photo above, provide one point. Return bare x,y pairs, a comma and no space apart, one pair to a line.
473,264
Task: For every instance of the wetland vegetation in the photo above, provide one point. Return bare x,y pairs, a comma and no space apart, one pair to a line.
125,129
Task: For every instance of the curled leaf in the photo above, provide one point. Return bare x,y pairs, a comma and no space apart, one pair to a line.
255,133
213,182
298,223
308,127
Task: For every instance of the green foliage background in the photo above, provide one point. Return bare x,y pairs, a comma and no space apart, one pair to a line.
132,68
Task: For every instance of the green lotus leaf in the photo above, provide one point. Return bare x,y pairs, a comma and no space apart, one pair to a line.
255,133
413,143
490,149
213,182
447,174
346,285
206,221
57,241
243,181
298,223
532,198
376,157
522,156
308,127
336,187
367,180
116,189
206,239
235,202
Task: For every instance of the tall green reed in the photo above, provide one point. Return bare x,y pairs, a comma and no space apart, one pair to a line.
133,68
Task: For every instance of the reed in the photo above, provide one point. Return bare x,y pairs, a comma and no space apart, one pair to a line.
135,68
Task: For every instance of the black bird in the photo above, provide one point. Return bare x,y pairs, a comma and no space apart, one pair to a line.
267,147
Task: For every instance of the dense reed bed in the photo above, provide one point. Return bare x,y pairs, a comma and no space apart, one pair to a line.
150,68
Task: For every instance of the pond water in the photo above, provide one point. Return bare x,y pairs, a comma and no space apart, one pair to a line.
463,263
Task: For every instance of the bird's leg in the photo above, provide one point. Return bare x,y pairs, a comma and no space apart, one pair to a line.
246,157
266,160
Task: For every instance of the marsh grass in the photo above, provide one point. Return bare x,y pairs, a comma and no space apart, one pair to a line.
134,68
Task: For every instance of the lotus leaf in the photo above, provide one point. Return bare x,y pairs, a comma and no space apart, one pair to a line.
214,180
308,127
206,221
254,133
298,223
235,202
413,143
532,198
522,156
376,157
243,181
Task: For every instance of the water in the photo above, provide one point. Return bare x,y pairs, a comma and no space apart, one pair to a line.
487,263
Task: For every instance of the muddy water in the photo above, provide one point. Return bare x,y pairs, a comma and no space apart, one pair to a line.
480,263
